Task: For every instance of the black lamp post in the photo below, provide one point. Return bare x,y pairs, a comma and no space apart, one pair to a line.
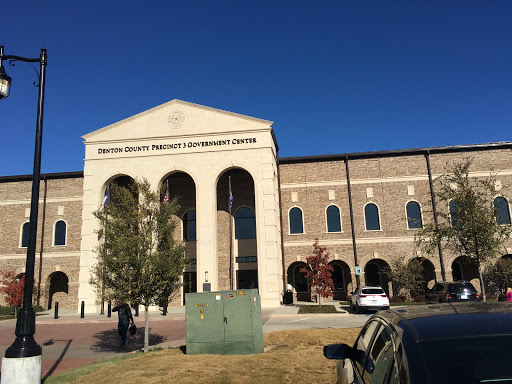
25,345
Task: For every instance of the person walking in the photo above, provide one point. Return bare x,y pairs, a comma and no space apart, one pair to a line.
509,295
124,314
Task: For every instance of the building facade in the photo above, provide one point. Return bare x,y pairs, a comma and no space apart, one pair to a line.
248,216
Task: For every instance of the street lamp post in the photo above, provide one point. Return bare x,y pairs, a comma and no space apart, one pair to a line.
23,359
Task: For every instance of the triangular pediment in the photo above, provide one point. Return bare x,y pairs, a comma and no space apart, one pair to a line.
177,118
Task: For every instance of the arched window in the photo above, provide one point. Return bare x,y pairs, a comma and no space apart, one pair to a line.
501,205
333,219
245,223
413,215
296,225
371,216
60,233
189,226
24,235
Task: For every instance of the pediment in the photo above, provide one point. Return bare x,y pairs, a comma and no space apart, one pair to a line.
177,118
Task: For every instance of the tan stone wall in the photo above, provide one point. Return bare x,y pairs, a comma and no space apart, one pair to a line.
386,182
63,202
390,179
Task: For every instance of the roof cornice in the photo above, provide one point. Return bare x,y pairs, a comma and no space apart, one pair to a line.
397,152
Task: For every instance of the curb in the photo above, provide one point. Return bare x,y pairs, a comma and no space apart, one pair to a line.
310,315
63,320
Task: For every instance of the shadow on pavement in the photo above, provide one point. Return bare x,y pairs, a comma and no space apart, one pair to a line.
110,341
52,369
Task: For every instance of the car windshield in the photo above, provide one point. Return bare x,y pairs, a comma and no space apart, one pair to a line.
372,291
461,288
480,359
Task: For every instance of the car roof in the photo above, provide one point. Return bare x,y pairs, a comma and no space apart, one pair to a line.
441,321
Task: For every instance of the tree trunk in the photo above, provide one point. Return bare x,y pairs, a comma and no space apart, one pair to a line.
146,328
319,297
481,283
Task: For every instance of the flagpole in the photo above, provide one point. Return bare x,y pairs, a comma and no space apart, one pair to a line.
230,239
105,201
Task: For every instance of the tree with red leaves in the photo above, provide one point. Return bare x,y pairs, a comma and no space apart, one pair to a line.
12,289
319,272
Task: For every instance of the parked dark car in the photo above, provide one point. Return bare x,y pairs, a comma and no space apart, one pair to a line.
430,344
451,291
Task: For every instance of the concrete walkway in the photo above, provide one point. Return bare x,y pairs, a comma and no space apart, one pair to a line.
70,341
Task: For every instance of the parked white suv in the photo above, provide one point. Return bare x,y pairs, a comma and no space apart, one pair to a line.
369,298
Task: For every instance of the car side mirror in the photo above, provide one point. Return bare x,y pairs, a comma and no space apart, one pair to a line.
337,351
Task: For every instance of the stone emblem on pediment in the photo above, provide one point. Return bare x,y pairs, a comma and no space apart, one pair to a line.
176,119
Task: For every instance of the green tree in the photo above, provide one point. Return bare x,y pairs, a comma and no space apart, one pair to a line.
139,260
320,272
469,224
499,275
405,276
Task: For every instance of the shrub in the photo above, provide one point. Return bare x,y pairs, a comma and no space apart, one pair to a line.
9,310
491,297
397,299
419,298
6,311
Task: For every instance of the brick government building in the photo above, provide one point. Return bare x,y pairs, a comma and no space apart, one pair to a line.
365,208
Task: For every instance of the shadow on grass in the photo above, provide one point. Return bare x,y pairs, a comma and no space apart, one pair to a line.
110,341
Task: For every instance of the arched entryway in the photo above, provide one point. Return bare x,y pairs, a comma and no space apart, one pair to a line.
341,278
499,276
428,276
298,281
464,269
237,249
180,186
116,193
58,289
374,274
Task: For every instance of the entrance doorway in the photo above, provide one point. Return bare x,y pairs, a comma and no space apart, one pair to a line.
189,283
247,279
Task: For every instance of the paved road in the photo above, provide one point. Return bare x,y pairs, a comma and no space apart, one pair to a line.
69,341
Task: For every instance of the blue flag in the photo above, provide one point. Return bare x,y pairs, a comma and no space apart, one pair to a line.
106,199
230,203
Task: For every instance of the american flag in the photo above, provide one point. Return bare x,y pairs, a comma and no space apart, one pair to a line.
166,196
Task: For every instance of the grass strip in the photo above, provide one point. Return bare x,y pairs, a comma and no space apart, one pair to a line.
317,309
87,369
296,356
407,303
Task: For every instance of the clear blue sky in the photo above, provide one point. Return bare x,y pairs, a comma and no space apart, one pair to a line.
355,75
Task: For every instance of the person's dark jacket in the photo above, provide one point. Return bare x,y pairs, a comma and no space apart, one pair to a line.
125,313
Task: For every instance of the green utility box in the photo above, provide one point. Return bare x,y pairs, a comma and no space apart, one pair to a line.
224,323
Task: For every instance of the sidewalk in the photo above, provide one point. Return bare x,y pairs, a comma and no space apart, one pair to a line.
174,313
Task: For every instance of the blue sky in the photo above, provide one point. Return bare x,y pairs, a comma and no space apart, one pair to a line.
355,75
